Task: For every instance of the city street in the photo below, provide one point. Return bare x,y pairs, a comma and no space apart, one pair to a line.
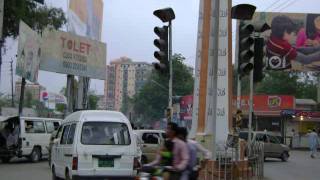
299,167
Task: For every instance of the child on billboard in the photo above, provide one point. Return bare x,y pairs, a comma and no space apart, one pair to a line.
280,52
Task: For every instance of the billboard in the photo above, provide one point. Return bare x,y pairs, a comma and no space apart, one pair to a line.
266,103
67,53
85,18
293,41
50,100
28,53
186,104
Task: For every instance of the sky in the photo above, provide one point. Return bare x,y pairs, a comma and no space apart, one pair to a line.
128,31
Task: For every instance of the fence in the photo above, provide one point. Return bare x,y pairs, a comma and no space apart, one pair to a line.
228,165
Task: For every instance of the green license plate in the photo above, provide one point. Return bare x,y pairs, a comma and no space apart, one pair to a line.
106,163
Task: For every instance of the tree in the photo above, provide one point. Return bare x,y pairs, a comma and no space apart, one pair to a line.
28,99
37,17
298,84
93,101
152,100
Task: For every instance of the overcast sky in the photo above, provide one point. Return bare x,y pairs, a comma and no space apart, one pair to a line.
128,31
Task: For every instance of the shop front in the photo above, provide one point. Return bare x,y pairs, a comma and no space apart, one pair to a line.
298,123
266,111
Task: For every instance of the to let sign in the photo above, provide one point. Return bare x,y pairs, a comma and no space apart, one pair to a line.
67,53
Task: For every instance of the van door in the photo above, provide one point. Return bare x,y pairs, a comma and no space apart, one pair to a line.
267,145
106,148
60,163
55,149
68,148
34,134
51,126
151,144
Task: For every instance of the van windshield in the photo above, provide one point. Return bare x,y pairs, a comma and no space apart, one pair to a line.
105,133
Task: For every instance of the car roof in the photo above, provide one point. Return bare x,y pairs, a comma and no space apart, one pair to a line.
96,115
40,118
148,130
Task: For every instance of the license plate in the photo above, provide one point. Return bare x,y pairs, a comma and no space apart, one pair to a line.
106,163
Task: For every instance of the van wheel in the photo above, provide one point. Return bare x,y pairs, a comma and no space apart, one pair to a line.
68,175
144,160
35,155
5,159
284,156
54,176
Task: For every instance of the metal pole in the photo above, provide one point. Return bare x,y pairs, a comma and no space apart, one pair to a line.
11,69
318,88
251,106
70,93
23,83
171,69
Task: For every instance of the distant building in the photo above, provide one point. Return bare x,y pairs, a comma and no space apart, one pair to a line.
124,79
34,89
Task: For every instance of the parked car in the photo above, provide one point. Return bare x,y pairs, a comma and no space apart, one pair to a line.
98,144
26,137
150,142
273,148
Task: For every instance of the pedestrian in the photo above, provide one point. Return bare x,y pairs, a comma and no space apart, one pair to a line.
293,132
180,153
191,172
313,142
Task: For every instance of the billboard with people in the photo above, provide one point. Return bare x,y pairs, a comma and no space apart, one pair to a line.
293,42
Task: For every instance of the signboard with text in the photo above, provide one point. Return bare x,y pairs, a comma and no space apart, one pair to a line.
68,53
267,102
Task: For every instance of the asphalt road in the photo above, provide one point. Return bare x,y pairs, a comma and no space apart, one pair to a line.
299,167
23,169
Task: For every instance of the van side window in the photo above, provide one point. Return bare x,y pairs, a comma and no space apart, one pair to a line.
51,126
71,134
150,138
34,127
59,133
65,134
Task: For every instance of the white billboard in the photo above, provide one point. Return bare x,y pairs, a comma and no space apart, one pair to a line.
28,53
67,53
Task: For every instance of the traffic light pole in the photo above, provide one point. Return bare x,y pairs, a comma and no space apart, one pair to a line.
251,106
171,69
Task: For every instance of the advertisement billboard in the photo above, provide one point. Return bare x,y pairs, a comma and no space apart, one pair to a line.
85,18
50,100
186,108
293,42
28,53
266,103
67,53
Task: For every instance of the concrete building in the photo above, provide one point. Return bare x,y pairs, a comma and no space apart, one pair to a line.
124,79
34,89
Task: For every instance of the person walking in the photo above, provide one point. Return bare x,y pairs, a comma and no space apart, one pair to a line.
313,142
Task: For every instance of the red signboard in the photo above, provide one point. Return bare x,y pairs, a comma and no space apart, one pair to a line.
267,102
186,103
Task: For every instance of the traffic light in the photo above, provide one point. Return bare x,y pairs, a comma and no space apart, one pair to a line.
259,53
162,44
246,42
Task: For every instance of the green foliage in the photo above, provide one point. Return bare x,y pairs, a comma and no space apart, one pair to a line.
93,101
28,101
61,107
298,84
37,17
152,99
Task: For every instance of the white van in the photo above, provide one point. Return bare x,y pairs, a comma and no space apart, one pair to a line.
25,137
150,143
95,144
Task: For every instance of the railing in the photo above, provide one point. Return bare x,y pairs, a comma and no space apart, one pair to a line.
228,165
